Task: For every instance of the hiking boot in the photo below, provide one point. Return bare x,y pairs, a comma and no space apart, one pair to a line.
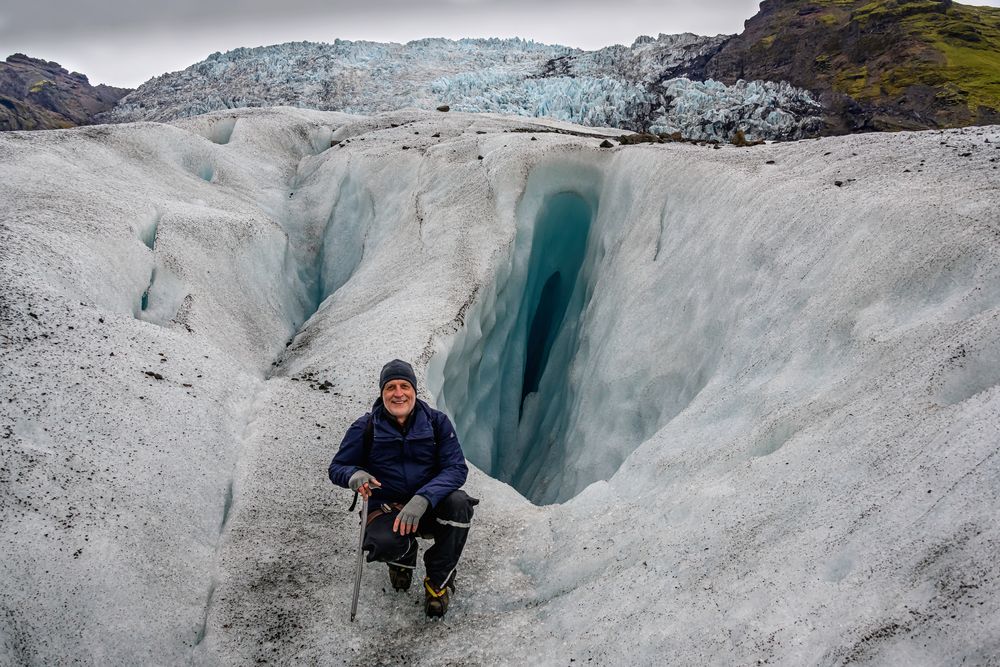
436,600
400,577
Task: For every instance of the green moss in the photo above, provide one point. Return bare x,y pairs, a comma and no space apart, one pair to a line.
852,81
768,41
975,72
882,11
951,94
968,40
954,50
894,82
828,19
964,32
38,86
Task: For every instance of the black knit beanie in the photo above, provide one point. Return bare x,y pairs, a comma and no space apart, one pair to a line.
397,370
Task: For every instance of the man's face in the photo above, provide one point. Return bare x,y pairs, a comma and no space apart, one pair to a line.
399,398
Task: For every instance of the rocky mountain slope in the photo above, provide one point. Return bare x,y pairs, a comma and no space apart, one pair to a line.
883,65
38,95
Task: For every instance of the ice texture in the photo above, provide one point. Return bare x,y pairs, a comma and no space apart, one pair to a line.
755,391
640,87
512,394
714,111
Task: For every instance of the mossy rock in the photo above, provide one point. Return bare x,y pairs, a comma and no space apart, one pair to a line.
641,138
739,138
41,85
853,82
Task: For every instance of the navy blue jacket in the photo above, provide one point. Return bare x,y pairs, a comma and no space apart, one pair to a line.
405,465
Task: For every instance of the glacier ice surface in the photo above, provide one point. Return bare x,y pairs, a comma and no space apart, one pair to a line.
786,391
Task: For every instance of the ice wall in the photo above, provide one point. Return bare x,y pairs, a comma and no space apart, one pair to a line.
508,382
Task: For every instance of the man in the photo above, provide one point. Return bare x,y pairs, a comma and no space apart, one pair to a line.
405,458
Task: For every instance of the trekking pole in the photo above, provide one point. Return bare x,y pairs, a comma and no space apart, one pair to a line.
361,558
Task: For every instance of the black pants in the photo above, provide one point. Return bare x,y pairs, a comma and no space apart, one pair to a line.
448,524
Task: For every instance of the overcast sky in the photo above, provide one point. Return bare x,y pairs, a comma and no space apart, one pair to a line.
126,42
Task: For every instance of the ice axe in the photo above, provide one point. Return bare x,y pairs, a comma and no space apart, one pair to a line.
361,557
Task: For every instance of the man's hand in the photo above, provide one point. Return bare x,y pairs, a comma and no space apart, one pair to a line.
408,518
362,482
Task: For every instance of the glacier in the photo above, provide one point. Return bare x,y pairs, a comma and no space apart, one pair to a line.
640,87
722,404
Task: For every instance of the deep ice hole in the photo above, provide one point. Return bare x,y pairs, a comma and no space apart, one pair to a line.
222,131
527,378
505,379
343,239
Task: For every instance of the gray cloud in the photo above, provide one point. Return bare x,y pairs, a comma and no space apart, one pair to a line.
50,17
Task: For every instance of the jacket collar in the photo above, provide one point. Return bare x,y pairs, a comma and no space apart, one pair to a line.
379,409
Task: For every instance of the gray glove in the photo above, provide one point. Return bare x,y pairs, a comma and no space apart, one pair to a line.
410,515
359,479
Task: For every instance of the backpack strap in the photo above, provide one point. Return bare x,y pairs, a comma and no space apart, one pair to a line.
367,440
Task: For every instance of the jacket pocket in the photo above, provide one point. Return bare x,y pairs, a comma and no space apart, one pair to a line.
385,453
423,451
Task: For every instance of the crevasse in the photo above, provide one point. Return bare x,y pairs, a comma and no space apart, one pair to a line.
506,378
